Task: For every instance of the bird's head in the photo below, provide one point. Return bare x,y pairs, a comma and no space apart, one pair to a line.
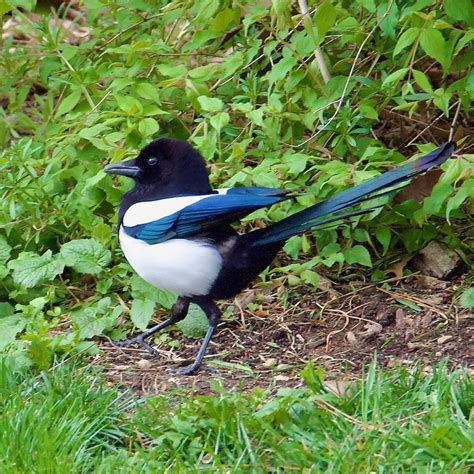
166,167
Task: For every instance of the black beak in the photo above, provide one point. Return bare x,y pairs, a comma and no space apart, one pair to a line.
125,168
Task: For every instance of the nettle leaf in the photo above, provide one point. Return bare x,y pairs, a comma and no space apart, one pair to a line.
461,10
5,249
144,291
148,126
467,298
210,104
220,120
358,254
10,326
406,39
395,77
68,103
281,69
324,18
85,256
29,268
423,81
141,312
433,44
195,324
94,319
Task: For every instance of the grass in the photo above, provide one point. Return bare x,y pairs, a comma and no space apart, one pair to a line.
70,420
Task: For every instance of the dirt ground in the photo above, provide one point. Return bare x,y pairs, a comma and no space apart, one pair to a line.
404,320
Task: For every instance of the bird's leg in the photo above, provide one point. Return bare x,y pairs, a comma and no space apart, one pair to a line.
178,313
213,314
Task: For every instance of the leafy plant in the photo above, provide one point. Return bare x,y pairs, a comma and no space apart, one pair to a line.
241,83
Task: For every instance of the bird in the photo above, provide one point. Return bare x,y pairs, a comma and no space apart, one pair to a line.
176,231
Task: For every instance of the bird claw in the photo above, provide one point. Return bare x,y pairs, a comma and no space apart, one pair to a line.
141,342
187,370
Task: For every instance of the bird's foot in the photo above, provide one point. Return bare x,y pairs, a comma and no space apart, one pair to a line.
187,370
140,340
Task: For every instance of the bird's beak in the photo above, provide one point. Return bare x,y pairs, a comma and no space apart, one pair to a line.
125,168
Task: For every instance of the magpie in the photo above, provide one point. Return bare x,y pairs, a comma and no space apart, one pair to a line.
176,233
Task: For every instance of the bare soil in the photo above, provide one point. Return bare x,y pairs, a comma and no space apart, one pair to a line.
404,320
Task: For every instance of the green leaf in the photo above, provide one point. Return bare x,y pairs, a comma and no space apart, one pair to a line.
383,235
461,10
311,277
394,77
423,81
433,44
210,104
220,120
406,39
148,126
143,290
281,69
68,103
29,268
195,324
358,254
6,309
141,312
5,249
94,319
467,298
85,255
324,19
409,304
10,326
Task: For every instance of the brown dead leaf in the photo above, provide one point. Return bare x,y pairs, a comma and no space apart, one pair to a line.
419,187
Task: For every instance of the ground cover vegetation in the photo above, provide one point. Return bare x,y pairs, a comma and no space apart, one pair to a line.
86,83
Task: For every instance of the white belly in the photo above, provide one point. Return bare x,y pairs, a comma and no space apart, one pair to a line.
184,267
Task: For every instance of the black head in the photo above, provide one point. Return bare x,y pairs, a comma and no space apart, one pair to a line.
166,167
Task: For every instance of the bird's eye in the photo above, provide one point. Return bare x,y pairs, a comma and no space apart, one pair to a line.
152,161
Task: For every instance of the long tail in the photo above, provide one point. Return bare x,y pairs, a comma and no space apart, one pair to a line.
316,216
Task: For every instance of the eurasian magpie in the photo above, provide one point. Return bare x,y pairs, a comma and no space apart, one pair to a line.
176,232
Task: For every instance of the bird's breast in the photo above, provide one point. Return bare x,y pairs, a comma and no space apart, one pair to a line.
183,266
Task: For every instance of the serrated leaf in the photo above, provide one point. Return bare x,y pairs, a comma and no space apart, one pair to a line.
220,120
210,104
29,268
395,77
281,69
358,254
141,312
422,80
324,19
143,290
5,249
383,235
10,326
406,39
433,44
461,10
195,324
68,103
85,256
467,298
94,319
148,126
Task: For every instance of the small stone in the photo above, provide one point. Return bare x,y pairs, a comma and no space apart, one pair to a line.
351,339
436,260
283,366
443,339
282,378
400,318
269,363
144,364
438,354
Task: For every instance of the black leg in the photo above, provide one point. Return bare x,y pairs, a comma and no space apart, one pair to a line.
178,313
213,314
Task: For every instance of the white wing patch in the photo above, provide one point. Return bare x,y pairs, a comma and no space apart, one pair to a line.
149,211
184,267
